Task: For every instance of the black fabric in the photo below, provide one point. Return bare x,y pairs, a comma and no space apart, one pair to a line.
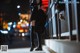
40,19
34,13
32,36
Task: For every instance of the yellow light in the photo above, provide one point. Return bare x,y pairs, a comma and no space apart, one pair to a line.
19,22
5,25
25,16
21,30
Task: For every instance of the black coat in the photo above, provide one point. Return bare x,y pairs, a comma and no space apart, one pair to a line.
40,19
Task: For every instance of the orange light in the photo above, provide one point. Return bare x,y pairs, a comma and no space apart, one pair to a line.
25,16
18,26
5,25
21,30
26,30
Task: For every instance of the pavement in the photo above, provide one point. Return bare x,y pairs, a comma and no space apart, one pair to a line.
21,50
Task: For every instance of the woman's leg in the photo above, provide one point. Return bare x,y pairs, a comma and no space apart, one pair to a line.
32,38
39,35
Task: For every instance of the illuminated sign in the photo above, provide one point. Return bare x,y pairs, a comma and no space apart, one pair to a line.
45,4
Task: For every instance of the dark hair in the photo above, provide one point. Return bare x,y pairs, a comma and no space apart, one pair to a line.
35,3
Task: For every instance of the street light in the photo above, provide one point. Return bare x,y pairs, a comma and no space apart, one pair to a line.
18,6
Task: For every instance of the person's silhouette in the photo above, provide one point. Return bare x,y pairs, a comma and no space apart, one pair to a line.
38,20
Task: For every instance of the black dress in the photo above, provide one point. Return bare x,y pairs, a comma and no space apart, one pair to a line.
40,19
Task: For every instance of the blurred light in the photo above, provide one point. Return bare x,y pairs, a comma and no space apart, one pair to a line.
14,22
19,13
4,32
23,34
9,28
18,26
18,6
5,25
27,24
14,26
26,30
10,23
23,25
21,20
56,10
45,4
44,0
21,30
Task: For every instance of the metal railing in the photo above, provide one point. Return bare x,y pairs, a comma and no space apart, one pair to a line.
72,11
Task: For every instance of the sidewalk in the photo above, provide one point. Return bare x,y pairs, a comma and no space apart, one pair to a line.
21,50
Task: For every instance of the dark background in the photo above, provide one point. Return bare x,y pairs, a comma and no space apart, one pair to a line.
9,11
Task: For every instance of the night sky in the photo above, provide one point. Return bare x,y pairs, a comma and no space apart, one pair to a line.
9,9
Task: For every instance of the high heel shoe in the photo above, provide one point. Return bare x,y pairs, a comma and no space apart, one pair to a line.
38,49
32,48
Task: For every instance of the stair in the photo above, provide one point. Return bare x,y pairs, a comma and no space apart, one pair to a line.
63,45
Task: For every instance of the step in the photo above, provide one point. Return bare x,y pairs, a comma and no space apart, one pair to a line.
63,46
